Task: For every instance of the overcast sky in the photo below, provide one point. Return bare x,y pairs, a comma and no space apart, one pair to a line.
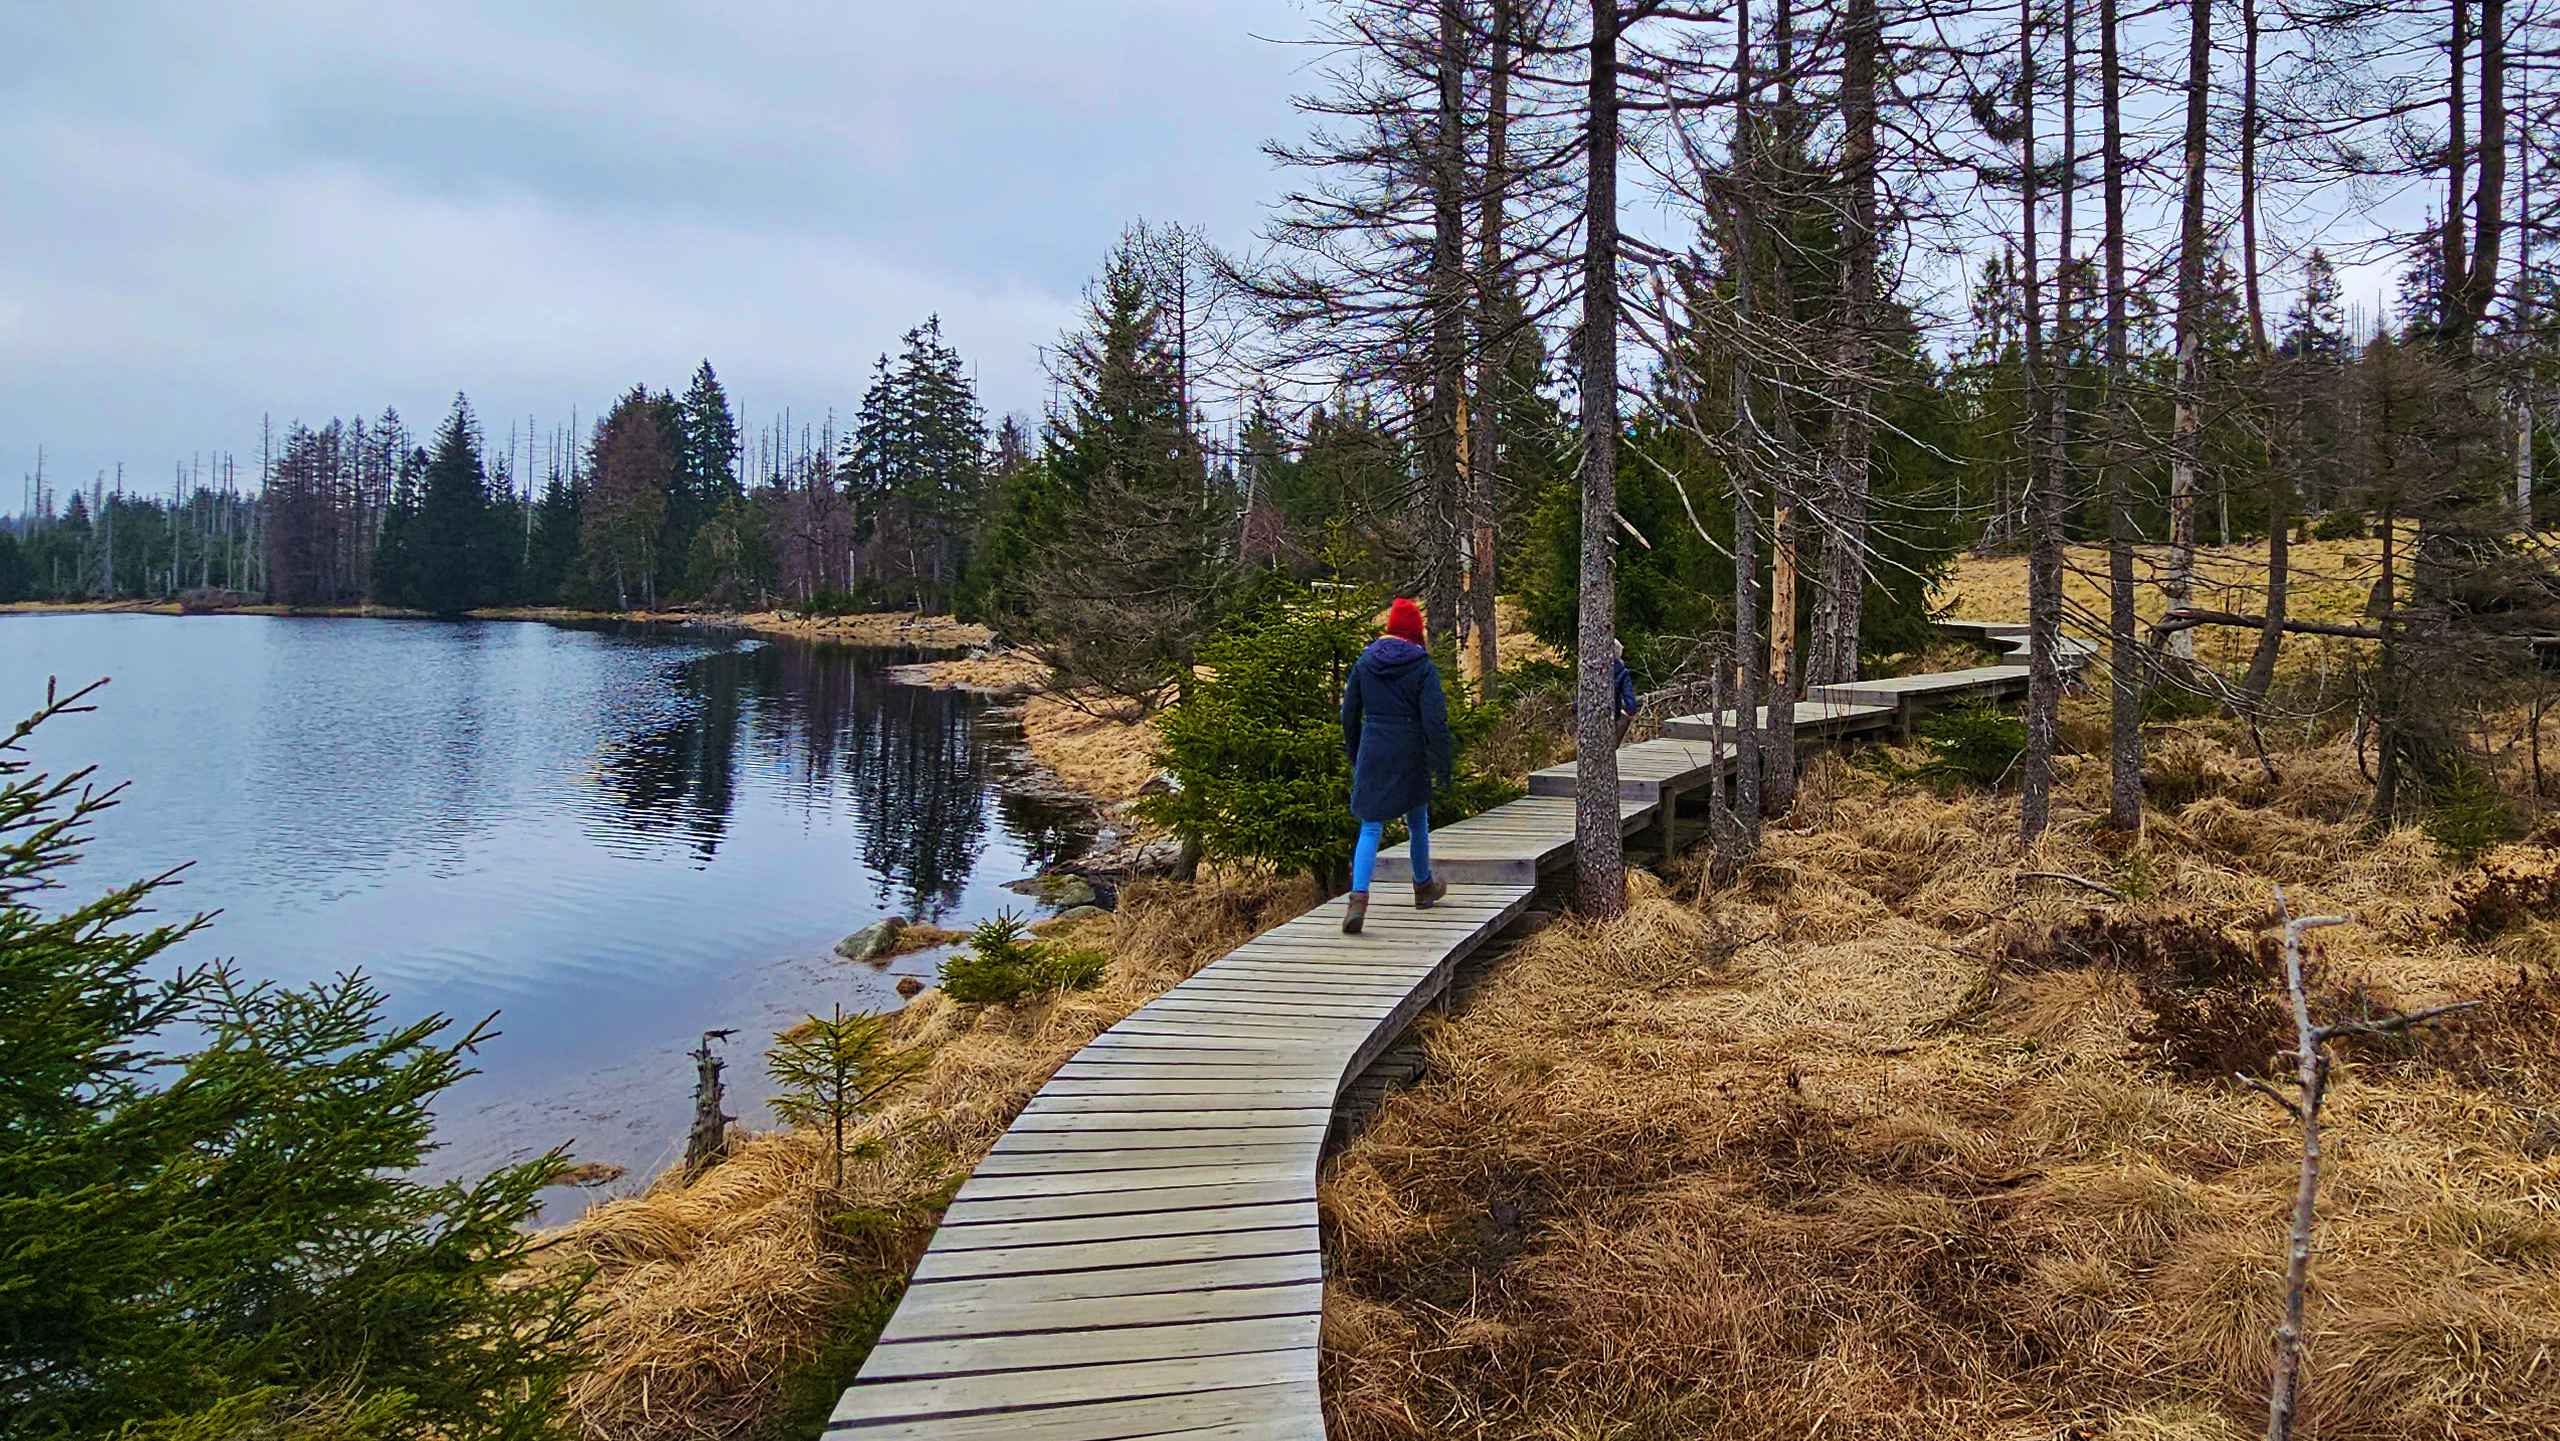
219,210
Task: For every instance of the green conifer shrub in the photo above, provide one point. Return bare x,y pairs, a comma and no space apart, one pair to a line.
1005,963
1969,745
828,1070
210,1221
1255,740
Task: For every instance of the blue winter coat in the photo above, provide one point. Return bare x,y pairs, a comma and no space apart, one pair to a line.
1625,680
1395,723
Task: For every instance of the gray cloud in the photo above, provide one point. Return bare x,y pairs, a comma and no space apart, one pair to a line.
319,209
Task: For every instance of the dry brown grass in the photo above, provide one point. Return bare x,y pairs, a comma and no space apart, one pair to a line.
1100,754
1003,672
1883,1140
2330,580
707,1297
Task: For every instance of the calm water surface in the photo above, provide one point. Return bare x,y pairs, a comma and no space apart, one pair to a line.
615,838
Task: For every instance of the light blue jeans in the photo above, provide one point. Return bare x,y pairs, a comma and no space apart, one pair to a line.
1364,856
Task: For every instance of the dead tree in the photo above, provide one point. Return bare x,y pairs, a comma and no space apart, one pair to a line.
2311,1087
1832,654
2124,649
1599,854
2186,426
2044,482
709,1140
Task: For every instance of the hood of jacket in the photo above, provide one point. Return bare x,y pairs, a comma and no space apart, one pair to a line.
1392,656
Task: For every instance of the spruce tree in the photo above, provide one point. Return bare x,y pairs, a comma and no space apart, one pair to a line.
554,552
396,575
706,469
208,1191
1130,564
449,548
915,463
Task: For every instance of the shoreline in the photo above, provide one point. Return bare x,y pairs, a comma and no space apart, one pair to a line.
881,628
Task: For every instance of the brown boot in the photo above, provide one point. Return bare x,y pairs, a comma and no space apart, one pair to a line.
1428,894
1355,909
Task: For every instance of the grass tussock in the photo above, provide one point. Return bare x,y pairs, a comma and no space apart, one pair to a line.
1888,1138
739,1304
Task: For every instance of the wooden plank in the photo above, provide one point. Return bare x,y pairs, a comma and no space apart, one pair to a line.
1247,983
1245,1100
1128,1186
970,1208
1285,1412
953,1298
1222,1050
980,1354
1200,1117
1028,1261
1180,1081
963,1235
1095,1165
1155,1131
1344,1012
1114,1066
1028,1390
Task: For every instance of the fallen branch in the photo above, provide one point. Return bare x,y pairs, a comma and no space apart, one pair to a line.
2189,619
2311,1081
2110,892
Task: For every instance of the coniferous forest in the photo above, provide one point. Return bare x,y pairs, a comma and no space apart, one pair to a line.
1733,335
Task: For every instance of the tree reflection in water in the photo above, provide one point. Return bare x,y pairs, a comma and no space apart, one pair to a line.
917,768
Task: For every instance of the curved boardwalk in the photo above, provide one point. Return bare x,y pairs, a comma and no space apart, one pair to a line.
1138,1256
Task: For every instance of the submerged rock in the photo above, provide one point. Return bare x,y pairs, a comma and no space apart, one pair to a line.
873,941
1058,888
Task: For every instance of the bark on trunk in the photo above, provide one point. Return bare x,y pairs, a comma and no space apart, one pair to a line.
1485,439
1840,603
2280,485
1749,659
1448,290
1599,857
2186,432
2044,510
2124,650
1776,189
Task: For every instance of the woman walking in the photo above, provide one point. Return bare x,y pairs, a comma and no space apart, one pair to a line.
1395,722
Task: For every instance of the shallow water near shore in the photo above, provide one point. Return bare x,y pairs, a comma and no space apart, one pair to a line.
614,837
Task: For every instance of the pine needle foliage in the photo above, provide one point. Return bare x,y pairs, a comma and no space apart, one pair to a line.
1005,963
1969,745
209,1218
829,1070
1255,739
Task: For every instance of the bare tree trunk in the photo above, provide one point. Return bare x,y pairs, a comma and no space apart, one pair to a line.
1448,284
2186,430
2124,654
1492,340
2044,560
2262,661
709,1140
1778,191
2524,314
1599,855
1839,606
1749,659
2386,704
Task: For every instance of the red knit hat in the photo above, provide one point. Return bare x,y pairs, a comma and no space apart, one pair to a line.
1404,620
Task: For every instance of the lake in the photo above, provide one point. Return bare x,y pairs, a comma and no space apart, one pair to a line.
615,837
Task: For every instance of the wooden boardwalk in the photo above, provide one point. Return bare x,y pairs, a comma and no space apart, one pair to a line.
1138,1255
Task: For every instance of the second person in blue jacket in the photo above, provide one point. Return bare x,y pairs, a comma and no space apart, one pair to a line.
1395,722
